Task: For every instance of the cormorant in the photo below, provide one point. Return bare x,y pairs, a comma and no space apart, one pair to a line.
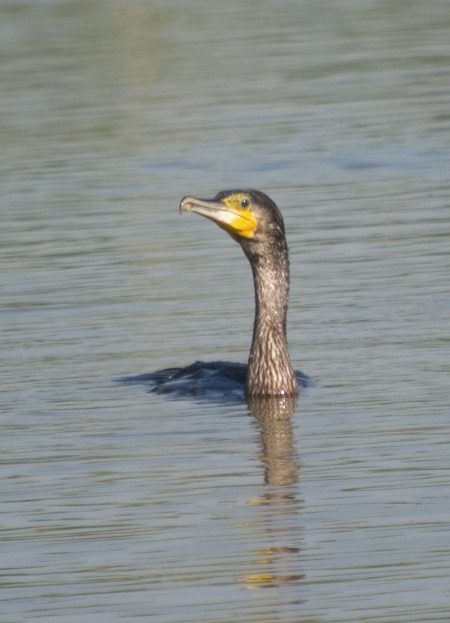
255,222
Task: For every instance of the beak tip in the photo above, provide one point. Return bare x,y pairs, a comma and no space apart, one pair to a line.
185,204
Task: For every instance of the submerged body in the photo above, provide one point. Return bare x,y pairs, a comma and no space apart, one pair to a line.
255,222
221,380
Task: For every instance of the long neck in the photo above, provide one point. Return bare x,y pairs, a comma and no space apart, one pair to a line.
270,370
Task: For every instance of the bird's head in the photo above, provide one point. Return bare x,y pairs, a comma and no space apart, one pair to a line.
249,216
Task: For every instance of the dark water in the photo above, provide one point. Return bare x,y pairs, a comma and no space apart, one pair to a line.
117,504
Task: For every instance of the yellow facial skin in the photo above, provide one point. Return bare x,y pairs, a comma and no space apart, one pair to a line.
242,221
233,213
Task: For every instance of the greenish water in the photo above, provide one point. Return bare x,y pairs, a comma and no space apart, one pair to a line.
117,504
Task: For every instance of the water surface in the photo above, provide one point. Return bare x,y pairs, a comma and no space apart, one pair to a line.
118,504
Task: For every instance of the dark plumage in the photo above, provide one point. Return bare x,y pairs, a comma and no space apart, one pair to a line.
255,222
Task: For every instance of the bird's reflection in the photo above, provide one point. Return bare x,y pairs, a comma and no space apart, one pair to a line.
273,416
277,564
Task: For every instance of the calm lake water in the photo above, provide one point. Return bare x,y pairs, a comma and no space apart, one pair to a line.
118,504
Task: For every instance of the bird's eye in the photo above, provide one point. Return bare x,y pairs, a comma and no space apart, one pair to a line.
245,203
